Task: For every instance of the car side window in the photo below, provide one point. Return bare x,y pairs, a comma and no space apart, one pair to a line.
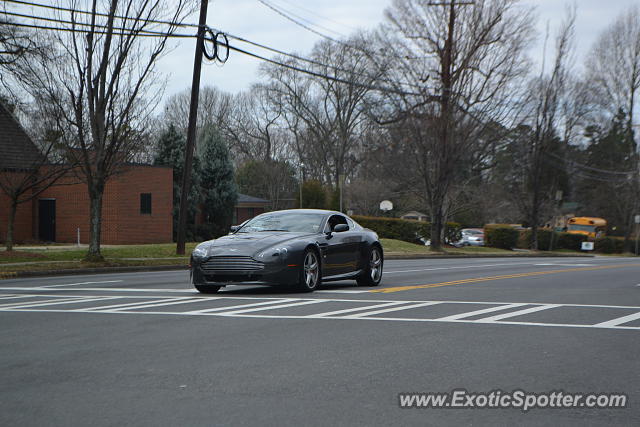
335,220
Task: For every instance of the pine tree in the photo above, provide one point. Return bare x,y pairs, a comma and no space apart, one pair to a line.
218,183
170,152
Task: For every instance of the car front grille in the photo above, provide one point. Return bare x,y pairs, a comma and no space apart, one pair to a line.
231,263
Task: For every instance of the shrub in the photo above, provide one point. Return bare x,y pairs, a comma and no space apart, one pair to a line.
609,245
405,229
501,237
570,241
392,228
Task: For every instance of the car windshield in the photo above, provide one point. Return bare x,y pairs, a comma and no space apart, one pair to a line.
580,227
474,232
294,222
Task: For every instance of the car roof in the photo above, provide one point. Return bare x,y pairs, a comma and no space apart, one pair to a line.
315,211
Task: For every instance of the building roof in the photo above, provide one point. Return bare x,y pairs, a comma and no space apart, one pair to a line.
243,198
17,150
414,213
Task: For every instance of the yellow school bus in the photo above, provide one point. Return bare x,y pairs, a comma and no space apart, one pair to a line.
587,226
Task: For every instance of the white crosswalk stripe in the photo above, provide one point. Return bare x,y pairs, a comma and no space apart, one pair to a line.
500,313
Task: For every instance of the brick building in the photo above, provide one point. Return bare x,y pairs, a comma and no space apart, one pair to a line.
247,207
137,205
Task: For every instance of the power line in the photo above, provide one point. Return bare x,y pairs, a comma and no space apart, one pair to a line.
573,162
85,24
297,22
149,33
324,76
85,12
142,33
301,18
342,24
254,55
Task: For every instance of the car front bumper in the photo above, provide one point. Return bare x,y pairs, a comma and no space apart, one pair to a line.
269,274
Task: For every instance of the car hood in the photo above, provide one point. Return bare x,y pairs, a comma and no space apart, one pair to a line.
250,243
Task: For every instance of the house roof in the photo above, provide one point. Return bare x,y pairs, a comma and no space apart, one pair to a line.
243,198
414,213
17,150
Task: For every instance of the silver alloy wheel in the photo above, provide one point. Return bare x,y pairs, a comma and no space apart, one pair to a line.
311,270
375,265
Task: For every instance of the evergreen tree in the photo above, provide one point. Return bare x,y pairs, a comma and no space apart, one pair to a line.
170,152
609,195
218,183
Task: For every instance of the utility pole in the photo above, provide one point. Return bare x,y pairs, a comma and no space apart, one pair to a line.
191,132
301,182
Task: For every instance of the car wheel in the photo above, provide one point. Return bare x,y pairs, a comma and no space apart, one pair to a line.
310,273
207,289
372,274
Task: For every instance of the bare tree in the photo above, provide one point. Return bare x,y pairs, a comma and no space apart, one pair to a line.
548,92
459,67
326,116
99,80
254,125
214,108
25,179
614,66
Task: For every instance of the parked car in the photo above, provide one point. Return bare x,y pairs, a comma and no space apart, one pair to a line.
471,237
300,247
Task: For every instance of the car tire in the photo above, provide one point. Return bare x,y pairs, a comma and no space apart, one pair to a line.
310,272
372,274
207,289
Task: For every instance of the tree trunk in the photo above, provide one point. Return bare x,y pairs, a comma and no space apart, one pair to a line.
437,217
10,224
95,223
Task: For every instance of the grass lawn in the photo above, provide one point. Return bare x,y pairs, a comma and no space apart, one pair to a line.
61,257
399,247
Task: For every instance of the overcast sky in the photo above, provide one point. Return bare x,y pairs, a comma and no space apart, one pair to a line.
255,21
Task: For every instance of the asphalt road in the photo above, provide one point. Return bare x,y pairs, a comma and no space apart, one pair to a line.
145,349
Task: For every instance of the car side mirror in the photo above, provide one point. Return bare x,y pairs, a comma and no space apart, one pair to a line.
340,228
234,228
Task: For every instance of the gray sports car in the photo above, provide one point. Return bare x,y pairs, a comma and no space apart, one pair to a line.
300,247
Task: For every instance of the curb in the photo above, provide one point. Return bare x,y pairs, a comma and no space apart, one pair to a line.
174,267
81,271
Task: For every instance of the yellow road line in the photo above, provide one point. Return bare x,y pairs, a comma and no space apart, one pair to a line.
505,276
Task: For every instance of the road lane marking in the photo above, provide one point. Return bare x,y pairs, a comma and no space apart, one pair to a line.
61,305
60,301
491,278
116,306
233,307
340,291
273,307
16,296
166,302
467,267
47,300
518,313
350,310
385,310
619,320
566,265
481,311
46,288
81,283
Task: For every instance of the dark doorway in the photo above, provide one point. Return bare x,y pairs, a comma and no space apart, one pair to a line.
47,220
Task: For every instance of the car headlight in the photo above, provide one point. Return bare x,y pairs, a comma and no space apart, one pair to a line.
274,252
200,251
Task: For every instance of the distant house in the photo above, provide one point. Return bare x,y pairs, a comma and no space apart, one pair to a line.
415,215
247,207
137,205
